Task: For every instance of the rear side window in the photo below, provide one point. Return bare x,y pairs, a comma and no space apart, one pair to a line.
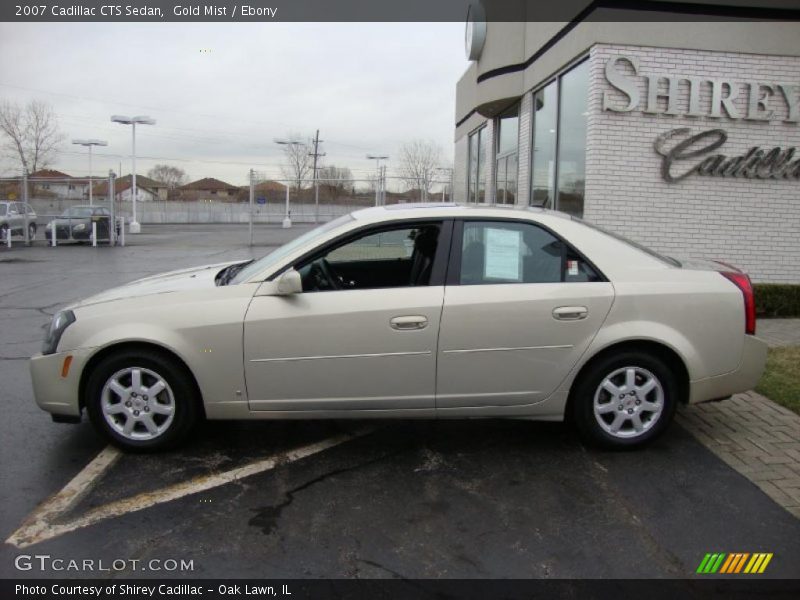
497,252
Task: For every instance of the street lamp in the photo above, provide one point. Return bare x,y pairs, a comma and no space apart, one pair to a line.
287,220
447,183
133,121
380,192
89,144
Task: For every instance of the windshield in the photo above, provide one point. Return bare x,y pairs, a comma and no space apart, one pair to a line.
667,259
77,212
285,250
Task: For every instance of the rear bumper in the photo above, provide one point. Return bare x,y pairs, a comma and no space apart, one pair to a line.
53,393
754,358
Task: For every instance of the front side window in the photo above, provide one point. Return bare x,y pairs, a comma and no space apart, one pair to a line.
274,257
389,258
497,252
507,147
476,179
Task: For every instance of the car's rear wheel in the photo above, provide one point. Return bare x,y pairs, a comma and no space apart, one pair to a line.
32,231
4,231
142,400
625,400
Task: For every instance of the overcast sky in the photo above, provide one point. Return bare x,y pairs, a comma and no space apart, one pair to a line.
368,87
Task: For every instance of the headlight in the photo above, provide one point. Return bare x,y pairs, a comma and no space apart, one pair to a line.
79,227
60,322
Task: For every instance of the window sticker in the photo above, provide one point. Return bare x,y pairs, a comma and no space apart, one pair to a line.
572,268
503,250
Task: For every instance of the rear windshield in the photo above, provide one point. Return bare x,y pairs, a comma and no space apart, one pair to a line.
667,259
77,212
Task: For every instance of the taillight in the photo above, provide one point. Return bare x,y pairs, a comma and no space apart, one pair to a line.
742,281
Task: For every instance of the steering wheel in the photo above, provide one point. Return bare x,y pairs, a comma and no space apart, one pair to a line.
324,276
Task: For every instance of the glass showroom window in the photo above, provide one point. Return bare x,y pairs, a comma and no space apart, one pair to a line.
559,142
477,158
507,146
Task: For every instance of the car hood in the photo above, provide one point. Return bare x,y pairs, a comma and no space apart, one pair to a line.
182,280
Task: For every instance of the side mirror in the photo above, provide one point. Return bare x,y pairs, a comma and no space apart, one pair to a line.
290,283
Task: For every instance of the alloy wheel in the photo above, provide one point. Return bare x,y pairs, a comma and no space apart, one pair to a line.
138,403
628,402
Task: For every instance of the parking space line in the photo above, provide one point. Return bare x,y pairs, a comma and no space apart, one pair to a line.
39,520
39,526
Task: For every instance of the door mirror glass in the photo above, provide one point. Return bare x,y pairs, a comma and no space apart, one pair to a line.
289,283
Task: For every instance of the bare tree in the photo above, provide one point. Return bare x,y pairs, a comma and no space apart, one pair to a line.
31,132
335,181
298,161
419,160
172,176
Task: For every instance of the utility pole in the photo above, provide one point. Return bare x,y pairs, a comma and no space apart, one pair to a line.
316,155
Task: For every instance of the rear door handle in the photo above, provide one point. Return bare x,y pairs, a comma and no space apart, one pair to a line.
409,323
570,313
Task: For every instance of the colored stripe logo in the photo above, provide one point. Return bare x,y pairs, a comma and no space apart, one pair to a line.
734,563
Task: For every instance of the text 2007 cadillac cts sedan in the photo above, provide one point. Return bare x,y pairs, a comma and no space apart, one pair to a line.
437,311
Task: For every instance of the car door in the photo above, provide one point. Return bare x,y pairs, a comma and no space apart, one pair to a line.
365,340
520,308
15,218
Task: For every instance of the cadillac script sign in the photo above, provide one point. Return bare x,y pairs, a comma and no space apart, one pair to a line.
684,152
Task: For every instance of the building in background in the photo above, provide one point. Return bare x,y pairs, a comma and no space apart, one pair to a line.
147,190
208,189
49,183
678,135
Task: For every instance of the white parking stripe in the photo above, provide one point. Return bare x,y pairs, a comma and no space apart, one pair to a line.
39,520
39,527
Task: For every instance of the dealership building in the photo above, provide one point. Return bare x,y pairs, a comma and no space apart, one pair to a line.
681,135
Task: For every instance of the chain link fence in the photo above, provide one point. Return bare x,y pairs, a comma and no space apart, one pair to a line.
57,209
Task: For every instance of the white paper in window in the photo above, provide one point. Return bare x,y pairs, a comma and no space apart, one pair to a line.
503,250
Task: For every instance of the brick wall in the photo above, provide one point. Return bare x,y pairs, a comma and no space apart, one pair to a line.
752,223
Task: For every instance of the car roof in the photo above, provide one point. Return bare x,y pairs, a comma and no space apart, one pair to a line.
452,210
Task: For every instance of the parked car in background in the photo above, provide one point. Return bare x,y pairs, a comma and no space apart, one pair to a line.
14,216
437,311
75,223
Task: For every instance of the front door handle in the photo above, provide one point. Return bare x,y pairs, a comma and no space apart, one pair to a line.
409,323
570,313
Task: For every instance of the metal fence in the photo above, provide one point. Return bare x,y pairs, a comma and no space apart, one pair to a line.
51,204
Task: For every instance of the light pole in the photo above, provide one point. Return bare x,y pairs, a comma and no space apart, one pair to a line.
287,219
89,144
447,183
379,191
132,121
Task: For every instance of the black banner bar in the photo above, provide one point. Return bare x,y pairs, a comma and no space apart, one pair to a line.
741,587
391,10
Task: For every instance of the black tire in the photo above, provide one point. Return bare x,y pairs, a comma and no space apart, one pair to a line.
3,231
185,398
32,231
583,398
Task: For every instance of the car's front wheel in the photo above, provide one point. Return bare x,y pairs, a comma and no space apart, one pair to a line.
32,231
142,400
625,400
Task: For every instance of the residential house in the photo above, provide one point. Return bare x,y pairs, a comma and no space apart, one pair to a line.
147,190
209,189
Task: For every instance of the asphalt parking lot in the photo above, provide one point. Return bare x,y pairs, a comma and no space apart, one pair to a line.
445,499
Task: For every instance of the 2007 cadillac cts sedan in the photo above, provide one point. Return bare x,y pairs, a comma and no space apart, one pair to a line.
410,311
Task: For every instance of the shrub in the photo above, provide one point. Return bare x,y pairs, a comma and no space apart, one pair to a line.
777,299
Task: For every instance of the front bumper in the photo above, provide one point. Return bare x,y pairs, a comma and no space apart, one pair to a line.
54,393
754,359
